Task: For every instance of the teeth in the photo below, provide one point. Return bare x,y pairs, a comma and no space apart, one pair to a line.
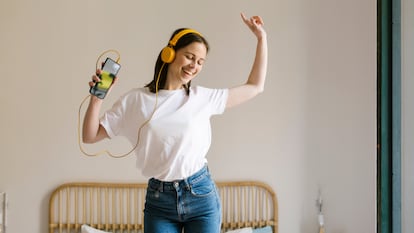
188,72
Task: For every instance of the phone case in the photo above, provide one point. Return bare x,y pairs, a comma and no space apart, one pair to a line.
109,71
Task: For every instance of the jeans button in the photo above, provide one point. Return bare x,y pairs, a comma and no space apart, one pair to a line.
176,184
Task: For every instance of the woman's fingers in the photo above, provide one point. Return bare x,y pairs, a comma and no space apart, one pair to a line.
252,22
245,20
257,20
95,79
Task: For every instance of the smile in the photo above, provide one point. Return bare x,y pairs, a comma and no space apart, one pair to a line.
189,72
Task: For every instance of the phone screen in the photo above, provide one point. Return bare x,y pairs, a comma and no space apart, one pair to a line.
109,70
111,66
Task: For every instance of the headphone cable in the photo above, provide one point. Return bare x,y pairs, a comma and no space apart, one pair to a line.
105,151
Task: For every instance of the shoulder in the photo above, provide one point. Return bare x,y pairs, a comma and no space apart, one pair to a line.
214,97
200,91
135,92
132,96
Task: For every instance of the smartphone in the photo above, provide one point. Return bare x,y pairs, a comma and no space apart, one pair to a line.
109,71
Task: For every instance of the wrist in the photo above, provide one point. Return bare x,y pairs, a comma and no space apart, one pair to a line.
95,100
262,37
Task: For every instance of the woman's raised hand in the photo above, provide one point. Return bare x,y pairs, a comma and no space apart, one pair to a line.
255,23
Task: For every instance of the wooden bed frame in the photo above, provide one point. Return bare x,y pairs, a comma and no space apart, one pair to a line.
118,207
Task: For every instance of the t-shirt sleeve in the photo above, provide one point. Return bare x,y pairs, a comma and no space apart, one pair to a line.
222,95
217,99
112,120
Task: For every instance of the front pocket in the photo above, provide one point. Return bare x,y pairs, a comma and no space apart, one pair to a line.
203,187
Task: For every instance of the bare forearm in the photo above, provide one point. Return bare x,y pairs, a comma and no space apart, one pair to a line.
257,75
256,79
92,130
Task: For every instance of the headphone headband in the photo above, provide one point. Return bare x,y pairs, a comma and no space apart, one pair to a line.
180,34
168,53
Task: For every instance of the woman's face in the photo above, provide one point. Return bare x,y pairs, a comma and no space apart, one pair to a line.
187,64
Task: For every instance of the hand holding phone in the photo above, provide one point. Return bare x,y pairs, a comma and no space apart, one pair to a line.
109,71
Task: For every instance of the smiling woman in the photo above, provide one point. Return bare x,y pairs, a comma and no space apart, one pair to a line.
171,153
313,127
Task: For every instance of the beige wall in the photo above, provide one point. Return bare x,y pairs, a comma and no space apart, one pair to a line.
313,129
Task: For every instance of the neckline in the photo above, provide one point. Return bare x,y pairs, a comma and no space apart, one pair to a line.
164,92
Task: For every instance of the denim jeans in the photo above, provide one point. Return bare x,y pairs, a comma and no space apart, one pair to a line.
191,205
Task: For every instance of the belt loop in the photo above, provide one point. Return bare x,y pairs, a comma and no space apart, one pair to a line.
161,187
187,184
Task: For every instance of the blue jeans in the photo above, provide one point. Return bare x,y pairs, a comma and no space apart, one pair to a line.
192,205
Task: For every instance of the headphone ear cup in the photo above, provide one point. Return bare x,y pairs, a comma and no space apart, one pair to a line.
167,54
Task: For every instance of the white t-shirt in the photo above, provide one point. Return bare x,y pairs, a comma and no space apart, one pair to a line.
174,144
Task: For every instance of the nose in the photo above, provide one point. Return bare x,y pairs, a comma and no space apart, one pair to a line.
192,64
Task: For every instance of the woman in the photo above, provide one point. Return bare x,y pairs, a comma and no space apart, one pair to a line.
173,124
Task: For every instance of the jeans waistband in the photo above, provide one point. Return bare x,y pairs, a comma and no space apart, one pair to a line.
184,183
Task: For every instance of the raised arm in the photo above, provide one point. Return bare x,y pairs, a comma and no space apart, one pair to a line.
93,131
256,79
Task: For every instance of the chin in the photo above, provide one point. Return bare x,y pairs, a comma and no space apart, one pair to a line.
185,81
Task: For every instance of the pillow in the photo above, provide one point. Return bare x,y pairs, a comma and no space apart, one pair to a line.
267,229
241,230
87,229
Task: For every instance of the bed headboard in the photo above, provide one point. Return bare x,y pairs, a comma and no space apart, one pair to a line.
118,207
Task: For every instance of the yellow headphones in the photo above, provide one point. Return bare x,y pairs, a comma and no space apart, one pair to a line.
168,52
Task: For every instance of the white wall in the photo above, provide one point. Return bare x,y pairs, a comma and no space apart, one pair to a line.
407,126
314,127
